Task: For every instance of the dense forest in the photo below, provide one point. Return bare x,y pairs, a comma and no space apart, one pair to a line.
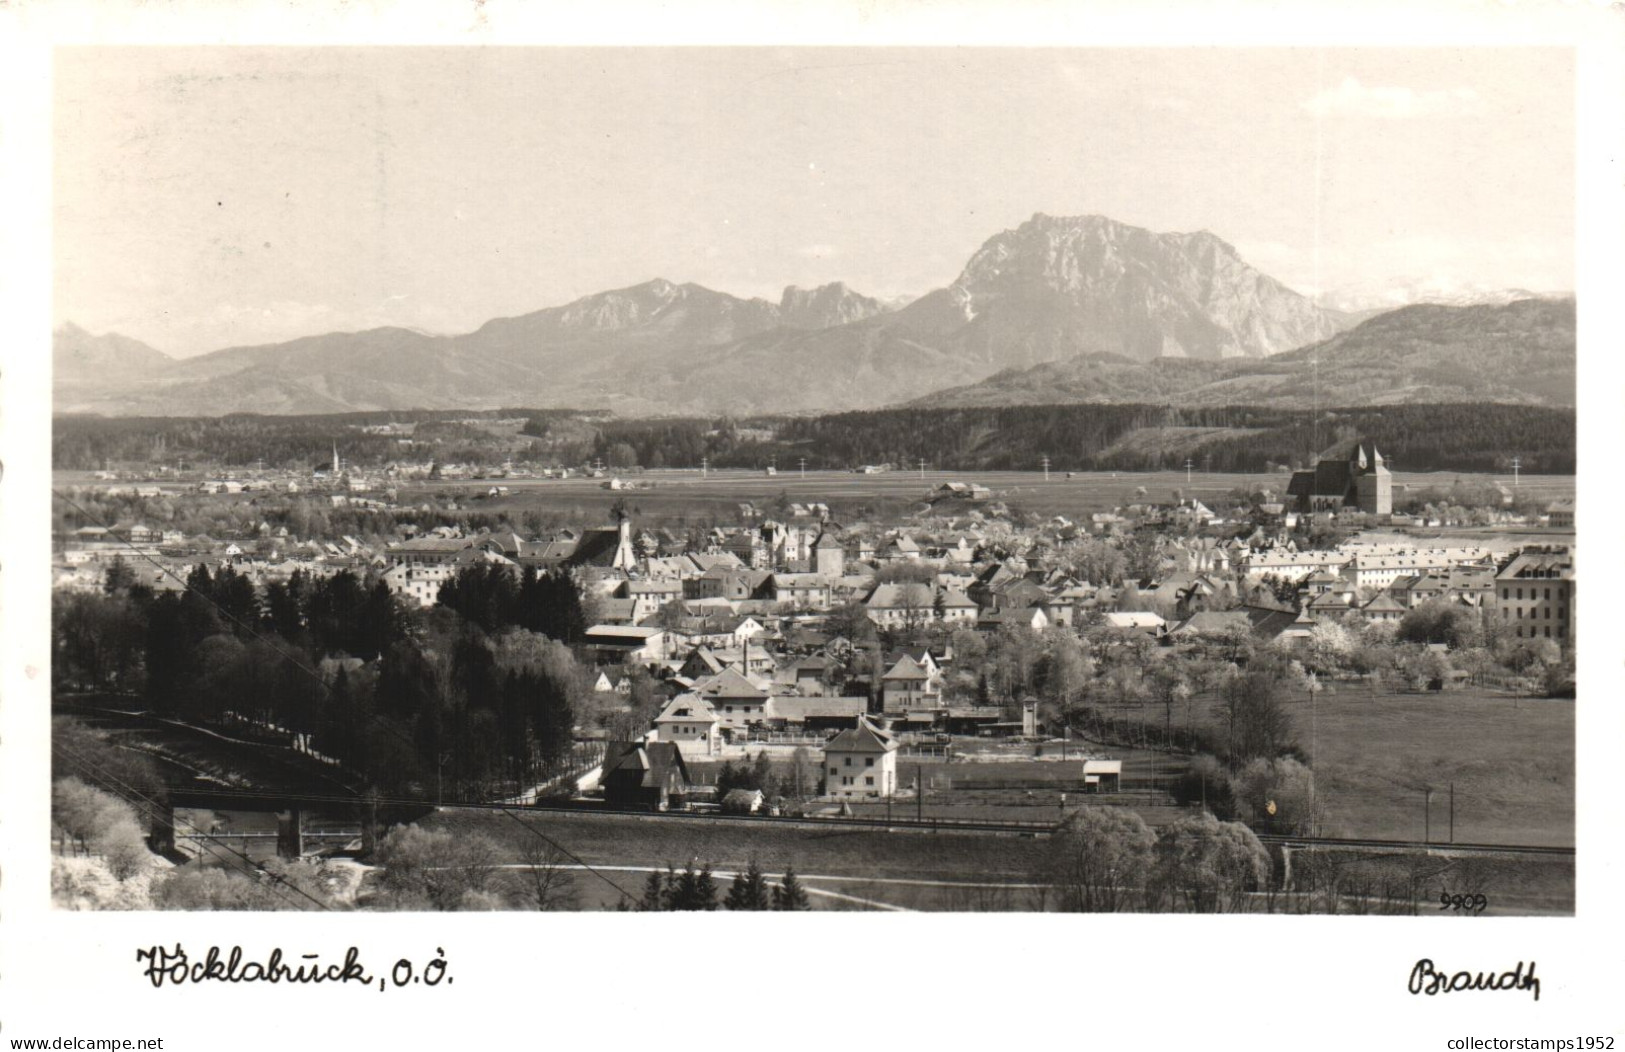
1454,437
1092,438
474,698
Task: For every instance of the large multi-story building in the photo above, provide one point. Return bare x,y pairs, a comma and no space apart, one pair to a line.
1535,594
1290,564
1380,568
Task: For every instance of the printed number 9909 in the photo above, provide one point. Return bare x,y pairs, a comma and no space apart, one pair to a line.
1463,903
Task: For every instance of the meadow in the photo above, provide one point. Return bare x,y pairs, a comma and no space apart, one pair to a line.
686,493
1385,762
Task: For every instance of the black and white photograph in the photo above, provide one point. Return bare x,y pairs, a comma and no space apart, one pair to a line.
1039,482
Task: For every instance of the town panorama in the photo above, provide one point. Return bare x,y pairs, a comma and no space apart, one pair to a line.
1112,519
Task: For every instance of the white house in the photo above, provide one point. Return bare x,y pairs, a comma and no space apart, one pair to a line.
860,761
649,596
418,584
909,685
801,589
912,602
1140,619
689,723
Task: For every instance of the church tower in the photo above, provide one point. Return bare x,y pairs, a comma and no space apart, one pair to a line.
829,557
1374,484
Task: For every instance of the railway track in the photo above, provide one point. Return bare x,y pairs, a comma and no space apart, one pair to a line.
900,823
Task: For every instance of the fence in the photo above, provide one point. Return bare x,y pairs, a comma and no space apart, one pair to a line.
786,738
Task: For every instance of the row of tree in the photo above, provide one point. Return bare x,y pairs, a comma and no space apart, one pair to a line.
86,443
696,889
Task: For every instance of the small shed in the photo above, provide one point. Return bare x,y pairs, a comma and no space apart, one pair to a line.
742,801
1102,776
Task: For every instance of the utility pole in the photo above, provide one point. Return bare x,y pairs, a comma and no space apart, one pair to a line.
922,468
1314,753
1452,812
1046,467
919,793
1315,416
1187,471
803,467
1516,463
705,466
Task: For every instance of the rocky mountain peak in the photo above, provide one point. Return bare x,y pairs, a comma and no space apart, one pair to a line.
825,306
1103,286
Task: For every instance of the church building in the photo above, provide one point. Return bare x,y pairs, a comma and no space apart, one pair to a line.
1356,479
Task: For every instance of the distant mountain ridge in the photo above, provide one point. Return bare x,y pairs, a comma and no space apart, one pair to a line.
1371,300
1522,352
1104,309
86,366
78,356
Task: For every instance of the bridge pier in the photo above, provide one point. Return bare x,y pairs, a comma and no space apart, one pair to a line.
368,814
161,831
290,833
1281,866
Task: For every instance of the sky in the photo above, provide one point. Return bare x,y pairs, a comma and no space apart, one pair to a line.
214,197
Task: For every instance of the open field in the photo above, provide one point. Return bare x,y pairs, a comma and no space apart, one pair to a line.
685,493
676,495
865,854
874,868
1510,759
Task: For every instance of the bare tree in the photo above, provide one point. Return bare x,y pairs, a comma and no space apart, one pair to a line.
546,882
1253,706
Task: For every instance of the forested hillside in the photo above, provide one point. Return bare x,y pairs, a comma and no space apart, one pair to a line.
1460,437
1415,437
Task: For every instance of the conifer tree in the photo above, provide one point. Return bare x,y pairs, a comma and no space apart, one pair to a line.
654,893
789,894
749,890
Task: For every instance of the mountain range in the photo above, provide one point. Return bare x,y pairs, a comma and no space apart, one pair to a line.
1057,309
